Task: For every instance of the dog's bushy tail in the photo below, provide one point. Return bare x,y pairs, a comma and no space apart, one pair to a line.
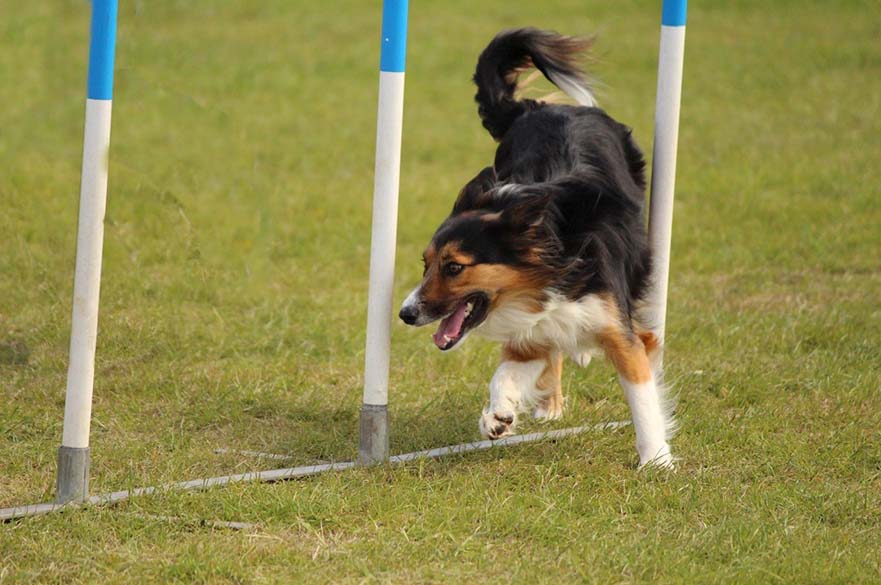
514,51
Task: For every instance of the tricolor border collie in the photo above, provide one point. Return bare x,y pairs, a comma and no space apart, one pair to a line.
545,251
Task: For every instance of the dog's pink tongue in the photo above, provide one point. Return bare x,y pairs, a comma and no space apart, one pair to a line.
450,327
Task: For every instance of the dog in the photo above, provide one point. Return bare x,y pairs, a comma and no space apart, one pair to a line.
546,250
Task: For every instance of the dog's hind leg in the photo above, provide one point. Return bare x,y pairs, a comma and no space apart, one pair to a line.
628,352
549,389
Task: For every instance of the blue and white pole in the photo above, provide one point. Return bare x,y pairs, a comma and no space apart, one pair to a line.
73,456
672,52
373,446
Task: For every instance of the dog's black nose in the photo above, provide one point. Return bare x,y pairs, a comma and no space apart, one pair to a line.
409,314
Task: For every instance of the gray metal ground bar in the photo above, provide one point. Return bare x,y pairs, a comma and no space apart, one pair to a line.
298,472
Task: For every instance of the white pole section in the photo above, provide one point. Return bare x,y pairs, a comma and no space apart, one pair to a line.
672,52
73,457
374,412
383,237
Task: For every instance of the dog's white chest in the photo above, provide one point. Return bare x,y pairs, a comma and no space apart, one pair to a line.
570,326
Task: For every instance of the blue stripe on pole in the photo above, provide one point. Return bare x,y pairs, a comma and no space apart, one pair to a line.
101,49
673,13
394,35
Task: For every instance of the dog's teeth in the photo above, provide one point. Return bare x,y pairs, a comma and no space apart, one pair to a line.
446,338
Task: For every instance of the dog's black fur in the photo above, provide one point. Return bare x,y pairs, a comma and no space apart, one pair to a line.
567,183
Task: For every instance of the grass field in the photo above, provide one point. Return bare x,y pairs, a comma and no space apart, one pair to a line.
234,293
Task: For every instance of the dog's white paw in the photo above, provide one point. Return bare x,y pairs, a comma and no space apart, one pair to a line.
495,425
659,457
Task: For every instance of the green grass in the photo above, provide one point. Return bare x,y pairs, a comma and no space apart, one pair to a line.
234,291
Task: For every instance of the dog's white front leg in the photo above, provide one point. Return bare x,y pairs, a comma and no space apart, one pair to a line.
510,385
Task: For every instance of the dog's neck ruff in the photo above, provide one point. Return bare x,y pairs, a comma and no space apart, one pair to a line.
561,323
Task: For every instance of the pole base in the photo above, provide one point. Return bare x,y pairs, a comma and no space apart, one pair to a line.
73,475
373,445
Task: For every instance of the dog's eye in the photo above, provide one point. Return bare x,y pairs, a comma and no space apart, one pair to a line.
452,269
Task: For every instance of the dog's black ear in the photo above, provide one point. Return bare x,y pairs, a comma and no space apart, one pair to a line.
526,209
476,193
530,220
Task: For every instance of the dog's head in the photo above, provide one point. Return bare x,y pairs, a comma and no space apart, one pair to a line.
477,260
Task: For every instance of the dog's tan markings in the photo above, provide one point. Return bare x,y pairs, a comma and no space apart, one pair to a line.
627,352
490,277
624,349
524,353
650,341
434,286
438,288
428,256
550,385
500,278
451,252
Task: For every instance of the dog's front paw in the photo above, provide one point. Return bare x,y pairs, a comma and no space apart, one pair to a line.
495,425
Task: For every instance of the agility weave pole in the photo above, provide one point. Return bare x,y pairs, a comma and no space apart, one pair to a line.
374,431
7,514
670,61
73,456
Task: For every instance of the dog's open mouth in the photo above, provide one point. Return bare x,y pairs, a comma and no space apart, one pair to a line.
467,315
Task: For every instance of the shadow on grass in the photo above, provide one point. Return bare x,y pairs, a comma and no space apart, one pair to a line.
315,432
